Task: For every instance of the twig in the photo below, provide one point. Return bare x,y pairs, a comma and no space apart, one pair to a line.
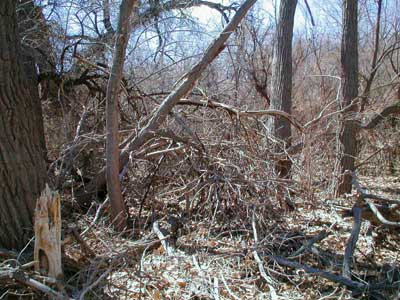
93,284
363,195
306,246
216,289
81,241
23,278
257,258
164,242
227,288
379,216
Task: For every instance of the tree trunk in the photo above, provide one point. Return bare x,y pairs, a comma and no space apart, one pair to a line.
22,166
349,62
118,207
281,94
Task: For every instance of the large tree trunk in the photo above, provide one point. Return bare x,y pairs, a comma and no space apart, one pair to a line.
22,166
349,62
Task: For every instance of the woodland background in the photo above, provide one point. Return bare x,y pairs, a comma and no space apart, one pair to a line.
216,202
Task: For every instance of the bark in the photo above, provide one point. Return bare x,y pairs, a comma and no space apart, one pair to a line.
281,96
118,207
22,167
349,63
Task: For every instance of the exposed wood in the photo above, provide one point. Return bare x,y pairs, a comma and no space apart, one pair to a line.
47,252
307,245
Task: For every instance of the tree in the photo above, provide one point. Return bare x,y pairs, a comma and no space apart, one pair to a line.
281,92
22,165
349,64
118,208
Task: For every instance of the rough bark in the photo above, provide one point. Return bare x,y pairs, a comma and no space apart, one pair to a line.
118,207
22,167
281,95
349,64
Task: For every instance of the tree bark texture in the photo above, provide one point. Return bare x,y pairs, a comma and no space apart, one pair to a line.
118,207
22,166
349,63
281,92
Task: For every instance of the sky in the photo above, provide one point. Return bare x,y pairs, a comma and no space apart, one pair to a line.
207,15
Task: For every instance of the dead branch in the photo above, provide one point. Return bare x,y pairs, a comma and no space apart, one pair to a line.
387,111
307,245
23,278
183,87
351,244
244,113
354,285
364,195
163,238
260,263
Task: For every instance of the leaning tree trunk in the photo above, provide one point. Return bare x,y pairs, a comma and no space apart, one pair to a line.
281,93
118,207
22,166
349,62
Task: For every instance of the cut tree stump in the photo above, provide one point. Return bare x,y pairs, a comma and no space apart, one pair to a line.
47,253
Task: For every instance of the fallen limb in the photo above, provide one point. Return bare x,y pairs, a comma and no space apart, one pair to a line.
351,244
23,278
387,111
354,285
364,195
379,216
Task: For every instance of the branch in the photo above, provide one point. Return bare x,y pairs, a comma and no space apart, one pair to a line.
155,10
23,278
351,244
244,113
354,285
183,87
387,111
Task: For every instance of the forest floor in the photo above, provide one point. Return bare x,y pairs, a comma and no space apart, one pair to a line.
216,257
